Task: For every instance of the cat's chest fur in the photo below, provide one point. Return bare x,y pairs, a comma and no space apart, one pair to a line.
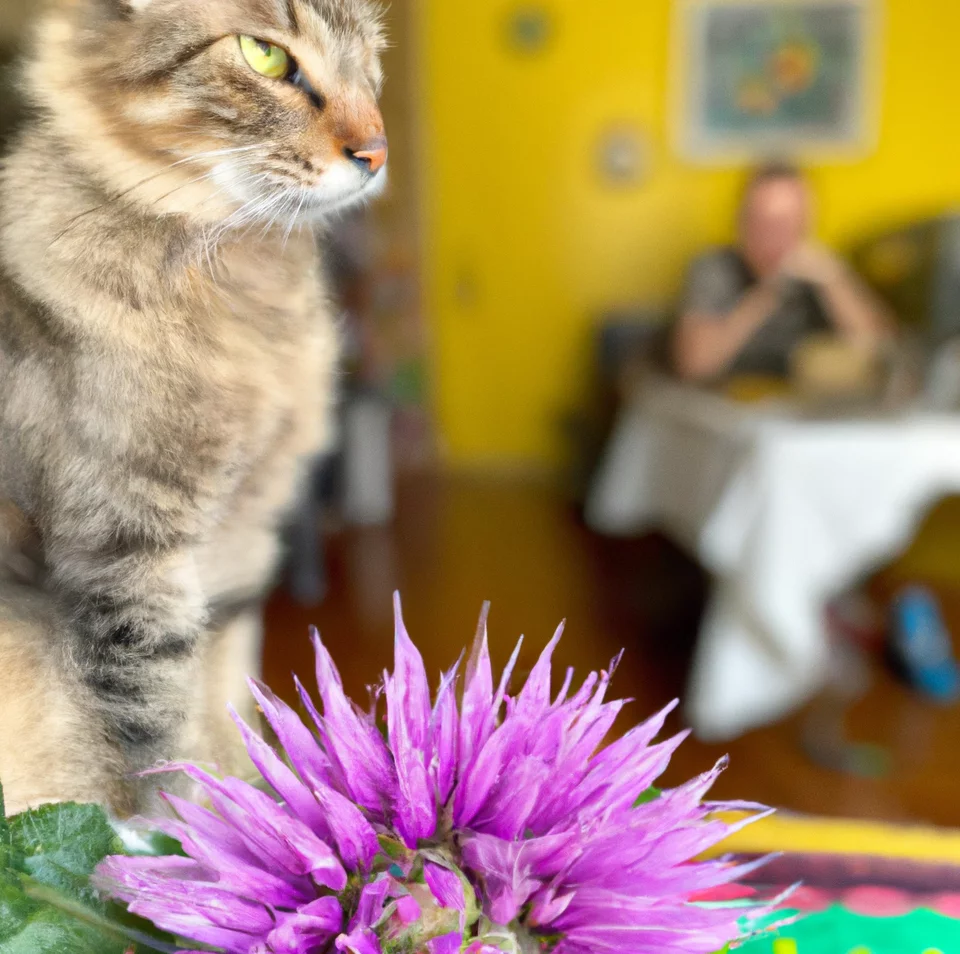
275,352
271,346
207,384
235,364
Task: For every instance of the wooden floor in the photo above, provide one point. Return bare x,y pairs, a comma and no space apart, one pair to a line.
456,543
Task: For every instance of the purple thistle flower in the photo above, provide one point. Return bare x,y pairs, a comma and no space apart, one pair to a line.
490,824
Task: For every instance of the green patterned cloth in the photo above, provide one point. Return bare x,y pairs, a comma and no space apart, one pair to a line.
837,931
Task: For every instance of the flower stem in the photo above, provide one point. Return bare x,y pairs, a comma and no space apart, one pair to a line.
40,892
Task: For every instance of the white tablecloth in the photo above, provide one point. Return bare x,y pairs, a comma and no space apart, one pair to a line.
785,511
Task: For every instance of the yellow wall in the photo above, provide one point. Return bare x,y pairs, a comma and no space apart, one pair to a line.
525,244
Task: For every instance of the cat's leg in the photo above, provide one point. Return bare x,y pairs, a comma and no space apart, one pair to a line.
120,524
232,656
124,574
53,747
137,620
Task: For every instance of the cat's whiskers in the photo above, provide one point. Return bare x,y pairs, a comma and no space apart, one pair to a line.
284,207
294,219
249,212
270,204
267,207
209,174
209,244
263,203
196,157
272,211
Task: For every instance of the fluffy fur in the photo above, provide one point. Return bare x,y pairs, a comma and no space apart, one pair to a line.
166,362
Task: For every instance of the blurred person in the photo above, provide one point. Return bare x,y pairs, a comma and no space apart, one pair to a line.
746,307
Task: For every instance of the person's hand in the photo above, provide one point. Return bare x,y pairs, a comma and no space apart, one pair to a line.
812,263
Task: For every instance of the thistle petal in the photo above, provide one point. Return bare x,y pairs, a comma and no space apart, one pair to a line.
361,941
354,836
408,724
408,910
446,886
367,769
309,929
372,901
475,720
446,944
534,698
301,747
283,781
444,735
266,829
514,871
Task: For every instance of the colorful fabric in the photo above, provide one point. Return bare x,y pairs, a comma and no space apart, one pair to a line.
865,888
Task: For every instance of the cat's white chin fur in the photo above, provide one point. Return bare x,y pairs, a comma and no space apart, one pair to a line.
340,188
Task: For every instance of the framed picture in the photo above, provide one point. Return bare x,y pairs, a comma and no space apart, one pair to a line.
790,78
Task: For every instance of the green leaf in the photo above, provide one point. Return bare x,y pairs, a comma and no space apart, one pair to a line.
32,926
56,924
6,844
650,795
61,845
15,907
52,931
47,904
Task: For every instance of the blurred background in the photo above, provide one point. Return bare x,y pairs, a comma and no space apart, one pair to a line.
778,546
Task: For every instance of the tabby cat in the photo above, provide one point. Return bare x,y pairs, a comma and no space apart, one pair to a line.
167,356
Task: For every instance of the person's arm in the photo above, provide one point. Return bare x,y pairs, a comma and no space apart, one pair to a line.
706,343
854,309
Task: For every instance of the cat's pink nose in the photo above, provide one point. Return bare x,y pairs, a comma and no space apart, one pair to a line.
371,156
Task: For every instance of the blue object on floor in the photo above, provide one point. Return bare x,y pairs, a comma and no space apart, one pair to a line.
923,646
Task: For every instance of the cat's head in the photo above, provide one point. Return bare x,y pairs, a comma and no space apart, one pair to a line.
233,111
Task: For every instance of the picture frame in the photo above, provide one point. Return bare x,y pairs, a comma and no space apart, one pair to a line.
757,79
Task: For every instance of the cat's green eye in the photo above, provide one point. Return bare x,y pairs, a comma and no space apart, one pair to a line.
267,59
